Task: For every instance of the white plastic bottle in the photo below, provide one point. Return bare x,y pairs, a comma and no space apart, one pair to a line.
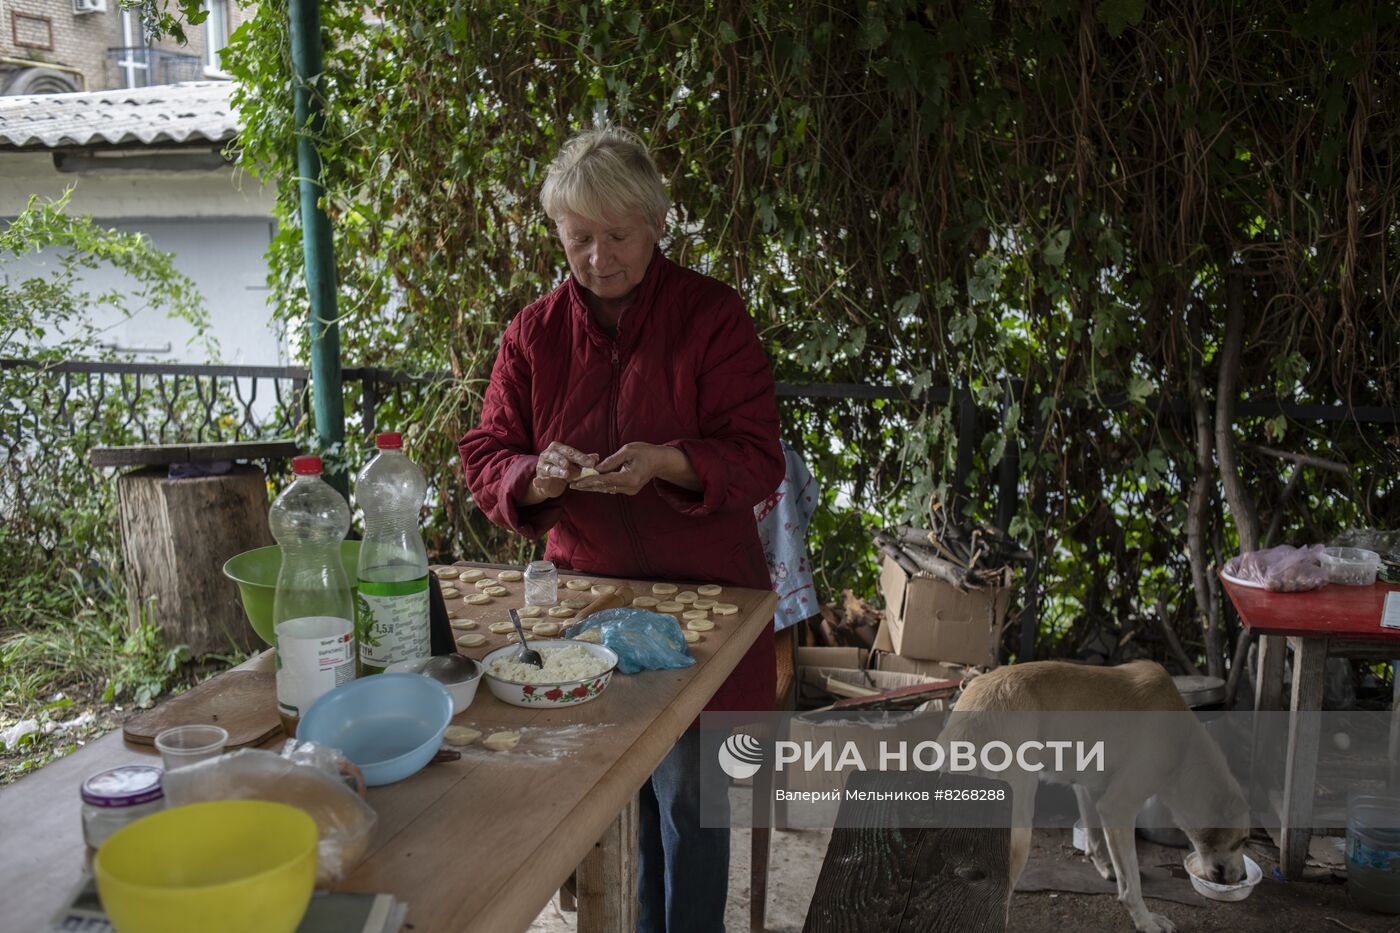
312,610
393,573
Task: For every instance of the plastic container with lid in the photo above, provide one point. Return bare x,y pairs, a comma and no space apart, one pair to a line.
1373,852
116,798
1351,566
541,583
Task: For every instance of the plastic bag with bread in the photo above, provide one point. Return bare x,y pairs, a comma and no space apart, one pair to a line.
315,778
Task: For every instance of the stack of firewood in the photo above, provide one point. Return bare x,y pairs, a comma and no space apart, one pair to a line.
851,624
965,558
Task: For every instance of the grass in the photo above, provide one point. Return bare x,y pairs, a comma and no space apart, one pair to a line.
71,664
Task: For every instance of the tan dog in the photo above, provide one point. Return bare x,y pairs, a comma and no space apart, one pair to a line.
1171,757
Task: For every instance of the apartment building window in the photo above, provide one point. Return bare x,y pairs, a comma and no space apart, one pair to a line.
132,58
215,35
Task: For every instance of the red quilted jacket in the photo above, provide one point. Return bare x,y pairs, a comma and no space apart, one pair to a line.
685,369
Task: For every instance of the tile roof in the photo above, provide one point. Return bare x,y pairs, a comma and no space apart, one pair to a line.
171,113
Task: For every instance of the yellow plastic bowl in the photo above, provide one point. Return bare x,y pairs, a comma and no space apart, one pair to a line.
230,866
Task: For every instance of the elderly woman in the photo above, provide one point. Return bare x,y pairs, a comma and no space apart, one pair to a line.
652,375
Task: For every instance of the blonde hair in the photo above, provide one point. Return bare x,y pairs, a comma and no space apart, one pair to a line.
601,172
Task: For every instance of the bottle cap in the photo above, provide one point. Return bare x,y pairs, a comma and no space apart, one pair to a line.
392,440
307,466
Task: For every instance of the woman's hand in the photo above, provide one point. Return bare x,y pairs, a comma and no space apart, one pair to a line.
634,465
558,464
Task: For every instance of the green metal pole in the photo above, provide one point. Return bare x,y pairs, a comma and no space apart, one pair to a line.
316,238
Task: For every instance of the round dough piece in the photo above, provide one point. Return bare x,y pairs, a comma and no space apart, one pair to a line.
704,604
478,599
561,612
529,636
694,614
450,592
573,603
687,596
530,612
496,591
664,589
463,625
602,589
510,576
461,735
645,602
578,584
691,637
471,640
669,607
500,741
445,573
472,574
725,609
709,589
484,582
590,636
547,629
501,628
699,625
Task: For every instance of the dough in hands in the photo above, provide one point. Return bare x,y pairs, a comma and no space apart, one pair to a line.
586,472
501,741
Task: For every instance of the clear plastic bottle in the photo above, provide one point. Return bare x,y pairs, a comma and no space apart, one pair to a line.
312,610
393,572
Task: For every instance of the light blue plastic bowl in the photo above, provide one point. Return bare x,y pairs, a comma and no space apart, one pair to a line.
390,725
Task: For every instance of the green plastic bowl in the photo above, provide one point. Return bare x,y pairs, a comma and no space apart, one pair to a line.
255,572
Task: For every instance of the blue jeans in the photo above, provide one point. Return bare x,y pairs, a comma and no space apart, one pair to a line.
683,869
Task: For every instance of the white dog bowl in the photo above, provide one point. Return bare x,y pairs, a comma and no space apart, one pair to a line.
1224,892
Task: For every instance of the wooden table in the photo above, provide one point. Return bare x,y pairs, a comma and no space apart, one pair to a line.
479,844
1337,621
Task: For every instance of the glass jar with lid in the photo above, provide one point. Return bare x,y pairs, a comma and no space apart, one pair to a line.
541,583
116,798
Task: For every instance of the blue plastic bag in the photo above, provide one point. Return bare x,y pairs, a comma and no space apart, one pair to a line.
644,641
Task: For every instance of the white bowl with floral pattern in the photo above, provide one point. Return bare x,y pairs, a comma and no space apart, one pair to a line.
565,693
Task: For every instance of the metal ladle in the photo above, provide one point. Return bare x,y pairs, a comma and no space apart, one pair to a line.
524,655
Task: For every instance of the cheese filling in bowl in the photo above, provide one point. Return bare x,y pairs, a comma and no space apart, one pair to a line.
561,665
574,672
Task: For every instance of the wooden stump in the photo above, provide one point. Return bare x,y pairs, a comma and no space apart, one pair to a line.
880,878
176,535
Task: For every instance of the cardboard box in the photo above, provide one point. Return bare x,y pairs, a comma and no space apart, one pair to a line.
887,660
930,620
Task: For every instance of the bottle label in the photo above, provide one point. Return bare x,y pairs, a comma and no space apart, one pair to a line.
393,622
315,654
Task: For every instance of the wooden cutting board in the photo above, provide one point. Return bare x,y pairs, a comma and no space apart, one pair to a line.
243,702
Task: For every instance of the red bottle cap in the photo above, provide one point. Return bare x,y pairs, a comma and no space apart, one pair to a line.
392,440
307,466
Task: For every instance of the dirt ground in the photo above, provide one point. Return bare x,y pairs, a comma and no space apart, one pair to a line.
1274,907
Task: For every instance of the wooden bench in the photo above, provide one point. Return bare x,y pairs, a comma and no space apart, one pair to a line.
880,878
177,533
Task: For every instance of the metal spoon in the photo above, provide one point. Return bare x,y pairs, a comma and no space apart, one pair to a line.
449,668
524,655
